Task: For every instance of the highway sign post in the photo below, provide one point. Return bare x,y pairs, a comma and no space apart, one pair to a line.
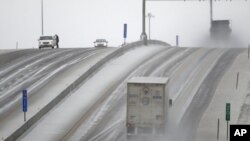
218,129
237,80
248,50
177,40
25,103
228,107
16,45
125,32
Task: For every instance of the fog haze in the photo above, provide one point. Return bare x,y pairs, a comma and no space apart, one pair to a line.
80,22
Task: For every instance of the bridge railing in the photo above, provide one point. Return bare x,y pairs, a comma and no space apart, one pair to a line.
150,42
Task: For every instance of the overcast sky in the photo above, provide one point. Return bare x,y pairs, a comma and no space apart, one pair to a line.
79,22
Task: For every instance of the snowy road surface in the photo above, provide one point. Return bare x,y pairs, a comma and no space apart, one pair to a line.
96,110
34,71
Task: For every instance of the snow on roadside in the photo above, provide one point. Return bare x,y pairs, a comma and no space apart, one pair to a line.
226,92
3,51
184,97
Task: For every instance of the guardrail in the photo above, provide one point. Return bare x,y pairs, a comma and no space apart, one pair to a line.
90,72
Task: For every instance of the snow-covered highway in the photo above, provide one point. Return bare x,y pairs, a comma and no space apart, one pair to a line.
95,109
34,72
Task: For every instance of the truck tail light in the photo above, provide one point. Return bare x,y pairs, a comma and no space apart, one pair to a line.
129,125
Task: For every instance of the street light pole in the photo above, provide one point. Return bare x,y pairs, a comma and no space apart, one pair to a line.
143,34
42,15
211,11
149,24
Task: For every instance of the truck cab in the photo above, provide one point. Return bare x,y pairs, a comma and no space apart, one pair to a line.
220,29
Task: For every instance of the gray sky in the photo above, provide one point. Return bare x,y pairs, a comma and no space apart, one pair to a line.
80,22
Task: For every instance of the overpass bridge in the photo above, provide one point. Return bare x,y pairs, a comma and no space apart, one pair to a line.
80,94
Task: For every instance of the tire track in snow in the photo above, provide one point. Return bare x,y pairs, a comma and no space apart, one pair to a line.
12,97
115,104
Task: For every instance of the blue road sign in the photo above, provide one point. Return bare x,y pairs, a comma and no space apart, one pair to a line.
25,101
125,31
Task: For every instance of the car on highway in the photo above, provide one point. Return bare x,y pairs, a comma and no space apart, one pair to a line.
47,41
101,43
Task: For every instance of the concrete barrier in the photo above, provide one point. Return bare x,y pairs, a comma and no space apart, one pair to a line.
90,72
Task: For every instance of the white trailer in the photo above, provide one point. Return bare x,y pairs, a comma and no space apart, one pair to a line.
147,106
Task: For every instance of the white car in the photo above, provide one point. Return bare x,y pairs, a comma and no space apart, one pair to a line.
101,43
47,41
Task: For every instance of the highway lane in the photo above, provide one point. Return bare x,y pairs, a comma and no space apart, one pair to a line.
17,73
12,72
24,74
110,110
14,56
204,95
226,92
122,66
109,124
20,58
168,71
53,79
106,120
186,80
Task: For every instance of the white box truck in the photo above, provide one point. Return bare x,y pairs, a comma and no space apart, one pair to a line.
147,106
